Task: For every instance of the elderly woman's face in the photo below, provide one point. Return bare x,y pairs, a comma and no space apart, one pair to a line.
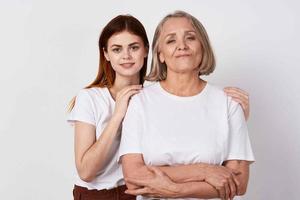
179,46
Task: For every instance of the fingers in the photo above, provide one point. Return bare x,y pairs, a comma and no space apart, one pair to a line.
234,171
235,90
243,96
238,94
131,93
128,88
237,183
138,182
227,190
232,187
243,102
242,99
221,191
139,191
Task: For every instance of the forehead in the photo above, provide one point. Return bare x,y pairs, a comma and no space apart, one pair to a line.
124,37
175,24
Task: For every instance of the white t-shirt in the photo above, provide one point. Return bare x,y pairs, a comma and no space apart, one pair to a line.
95,106
171,130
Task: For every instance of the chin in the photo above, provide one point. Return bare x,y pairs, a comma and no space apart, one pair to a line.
128,73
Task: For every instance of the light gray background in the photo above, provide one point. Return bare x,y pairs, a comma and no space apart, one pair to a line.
48,52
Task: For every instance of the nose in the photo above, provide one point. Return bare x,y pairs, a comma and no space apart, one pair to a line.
126,54
182,45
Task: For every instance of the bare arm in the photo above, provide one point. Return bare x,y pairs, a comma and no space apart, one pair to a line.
137,174
243,167
91,155
185,173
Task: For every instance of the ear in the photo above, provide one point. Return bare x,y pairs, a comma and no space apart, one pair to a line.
106,55
161,57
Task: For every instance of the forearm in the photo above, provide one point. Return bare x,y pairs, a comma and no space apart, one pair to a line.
185,173
140,172
243,176
143,180
196,190
95,158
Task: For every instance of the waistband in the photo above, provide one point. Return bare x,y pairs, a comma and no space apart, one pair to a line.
119,189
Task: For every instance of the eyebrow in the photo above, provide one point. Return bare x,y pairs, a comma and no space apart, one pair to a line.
172,34
118,45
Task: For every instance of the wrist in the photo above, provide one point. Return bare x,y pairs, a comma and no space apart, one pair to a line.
177,190
117,118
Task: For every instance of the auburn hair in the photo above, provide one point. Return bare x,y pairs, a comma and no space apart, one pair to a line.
106,75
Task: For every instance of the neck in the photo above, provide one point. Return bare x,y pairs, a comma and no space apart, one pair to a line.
122,82
183,84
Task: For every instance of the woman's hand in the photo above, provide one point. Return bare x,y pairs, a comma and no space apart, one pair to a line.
122,100
241,97
223,179
160,185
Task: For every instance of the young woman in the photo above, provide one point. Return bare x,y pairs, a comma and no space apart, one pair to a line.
98,110
189,129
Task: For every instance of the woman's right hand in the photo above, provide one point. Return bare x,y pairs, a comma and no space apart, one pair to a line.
223,179
122,100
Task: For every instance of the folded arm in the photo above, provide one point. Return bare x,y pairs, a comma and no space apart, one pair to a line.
166,185
243,176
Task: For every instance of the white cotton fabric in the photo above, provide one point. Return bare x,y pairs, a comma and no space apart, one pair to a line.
171,130
95,106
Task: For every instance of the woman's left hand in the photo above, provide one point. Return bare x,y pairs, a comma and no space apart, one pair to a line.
160,185
241,97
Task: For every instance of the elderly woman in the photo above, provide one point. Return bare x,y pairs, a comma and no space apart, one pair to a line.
183,137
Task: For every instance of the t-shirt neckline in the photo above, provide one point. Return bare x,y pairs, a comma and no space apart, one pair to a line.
182,98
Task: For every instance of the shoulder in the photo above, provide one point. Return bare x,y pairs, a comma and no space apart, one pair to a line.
148,89
138,100
92,93
95,96
215,92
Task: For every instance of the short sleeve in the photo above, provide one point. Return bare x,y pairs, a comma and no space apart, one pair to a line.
83,109
239,146
131,130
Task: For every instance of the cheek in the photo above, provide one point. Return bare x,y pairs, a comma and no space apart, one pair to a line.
113,57
139,57
114,61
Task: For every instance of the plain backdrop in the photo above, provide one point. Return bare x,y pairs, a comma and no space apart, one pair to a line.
48,52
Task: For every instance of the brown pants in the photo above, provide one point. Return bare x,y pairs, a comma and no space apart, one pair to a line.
82,193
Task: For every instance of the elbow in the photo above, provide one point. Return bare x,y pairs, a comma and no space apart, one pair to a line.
242,190
86,176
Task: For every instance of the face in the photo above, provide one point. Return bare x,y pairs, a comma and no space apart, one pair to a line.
179,46
126,53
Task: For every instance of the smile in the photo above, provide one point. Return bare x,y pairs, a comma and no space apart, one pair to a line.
127,65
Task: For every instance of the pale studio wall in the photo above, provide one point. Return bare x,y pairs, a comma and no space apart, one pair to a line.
49,51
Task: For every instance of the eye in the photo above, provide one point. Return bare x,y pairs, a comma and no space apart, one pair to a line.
135,47
191,38
116,50
170,41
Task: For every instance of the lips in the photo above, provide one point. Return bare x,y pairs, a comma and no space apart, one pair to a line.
127,65
182,55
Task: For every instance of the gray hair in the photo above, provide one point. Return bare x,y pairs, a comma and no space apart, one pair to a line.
158,70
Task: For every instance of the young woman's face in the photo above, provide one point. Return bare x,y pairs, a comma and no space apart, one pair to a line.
179,46
126,53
